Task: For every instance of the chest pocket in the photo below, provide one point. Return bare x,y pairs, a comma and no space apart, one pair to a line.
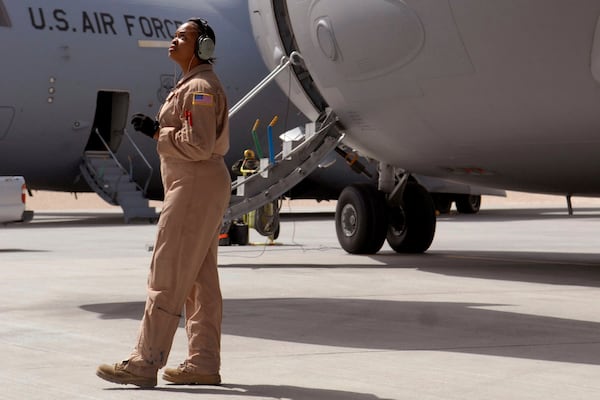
169,113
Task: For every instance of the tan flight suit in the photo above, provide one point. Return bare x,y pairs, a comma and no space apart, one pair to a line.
194,136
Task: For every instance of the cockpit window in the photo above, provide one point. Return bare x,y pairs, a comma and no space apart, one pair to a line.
4,18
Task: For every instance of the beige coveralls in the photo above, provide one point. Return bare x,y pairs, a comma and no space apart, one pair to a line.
194,136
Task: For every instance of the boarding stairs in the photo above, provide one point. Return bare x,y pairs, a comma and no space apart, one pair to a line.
290,167
114,184
279,174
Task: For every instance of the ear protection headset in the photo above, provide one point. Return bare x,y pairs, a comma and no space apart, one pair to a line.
205,46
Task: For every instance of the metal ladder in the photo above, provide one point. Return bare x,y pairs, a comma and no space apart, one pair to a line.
114,184
274,180
289,168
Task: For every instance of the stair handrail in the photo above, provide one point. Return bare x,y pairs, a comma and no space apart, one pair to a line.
285,174
141,154
326,121
115,159
295,58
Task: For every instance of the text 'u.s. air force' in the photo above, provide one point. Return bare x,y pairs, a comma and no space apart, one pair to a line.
102,23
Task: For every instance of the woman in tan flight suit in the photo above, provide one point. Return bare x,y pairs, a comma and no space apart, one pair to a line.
193,136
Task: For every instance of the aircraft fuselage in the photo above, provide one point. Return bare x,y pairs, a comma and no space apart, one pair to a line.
498,93
65,64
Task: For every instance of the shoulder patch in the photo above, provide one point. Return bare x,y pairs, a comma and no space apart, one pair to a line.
202,99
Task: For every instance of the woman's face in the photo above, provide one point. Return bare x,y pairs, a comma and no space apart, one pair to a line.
183,44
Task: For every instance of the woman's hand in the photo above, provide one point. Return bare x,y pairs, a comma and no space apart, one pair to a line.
146,125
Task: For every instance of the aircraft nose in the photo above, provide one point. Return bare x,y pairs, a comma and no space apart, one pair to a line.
344,39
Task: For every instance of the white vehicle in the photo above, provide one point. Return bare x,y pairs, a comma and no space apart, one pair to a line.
13,193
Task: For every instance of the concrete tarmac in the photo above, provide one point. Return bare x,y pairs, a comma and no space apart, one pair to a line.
505,305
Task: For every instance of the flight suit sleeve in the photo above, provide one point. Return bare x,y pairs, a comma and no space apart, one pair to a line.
194,138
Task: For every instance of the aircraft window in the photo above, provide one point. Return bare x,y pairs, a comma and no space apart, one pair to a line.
4,18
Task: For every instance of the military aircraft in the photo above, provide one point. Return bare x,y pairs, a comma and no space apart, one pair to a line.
485,92
73,73
477,92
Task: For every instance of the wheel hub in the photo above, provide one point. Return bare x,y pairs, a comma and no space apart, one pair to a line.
397,223
349,220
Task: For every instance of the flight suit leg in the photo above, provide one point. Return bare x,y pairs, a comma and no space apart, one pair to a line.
204,313
204,304
194,203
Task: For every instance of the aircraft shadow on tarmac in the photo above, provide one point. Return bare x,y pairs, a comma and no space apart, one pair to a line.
533,267
401,326
578,269
469,328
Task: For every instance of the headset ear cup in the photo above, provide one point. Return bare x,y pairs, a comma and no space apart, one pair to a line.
206,47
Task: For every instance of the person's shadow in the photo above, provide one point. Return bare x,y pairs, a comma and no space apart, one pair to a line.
270,391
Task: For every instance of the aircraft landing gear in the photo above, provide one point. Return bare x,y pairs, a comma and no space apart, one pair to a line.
364,219
360,219
465,203
412,224
468,203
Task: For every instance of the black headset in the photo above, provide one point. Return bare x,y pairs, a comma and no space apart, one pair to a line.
205,46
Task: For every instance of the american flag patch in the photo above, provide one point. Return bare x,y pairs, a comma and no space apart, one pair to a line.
202,99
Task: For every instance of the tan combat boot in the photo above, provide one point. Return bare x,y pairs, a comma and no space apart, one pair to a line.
182,376
118,374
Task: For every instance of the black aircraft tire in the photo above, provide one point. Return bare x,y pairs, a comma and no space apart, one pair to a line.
360,219
412,227
468,204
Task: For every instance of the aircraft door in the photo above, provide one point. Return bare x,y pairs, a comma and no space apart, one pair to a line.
109,121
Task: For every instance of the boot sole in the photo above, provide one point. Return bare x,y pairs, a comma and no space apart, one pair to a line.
179,381
113,379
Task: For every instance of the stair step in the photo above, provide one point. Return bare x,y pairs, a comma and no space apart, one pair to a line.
127,203
109,174
113,169
269,183
115,178
115,185
97,154
126,187
102,163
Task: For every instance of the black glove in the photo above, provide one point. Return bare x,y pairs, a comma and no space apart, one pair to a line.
144,124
